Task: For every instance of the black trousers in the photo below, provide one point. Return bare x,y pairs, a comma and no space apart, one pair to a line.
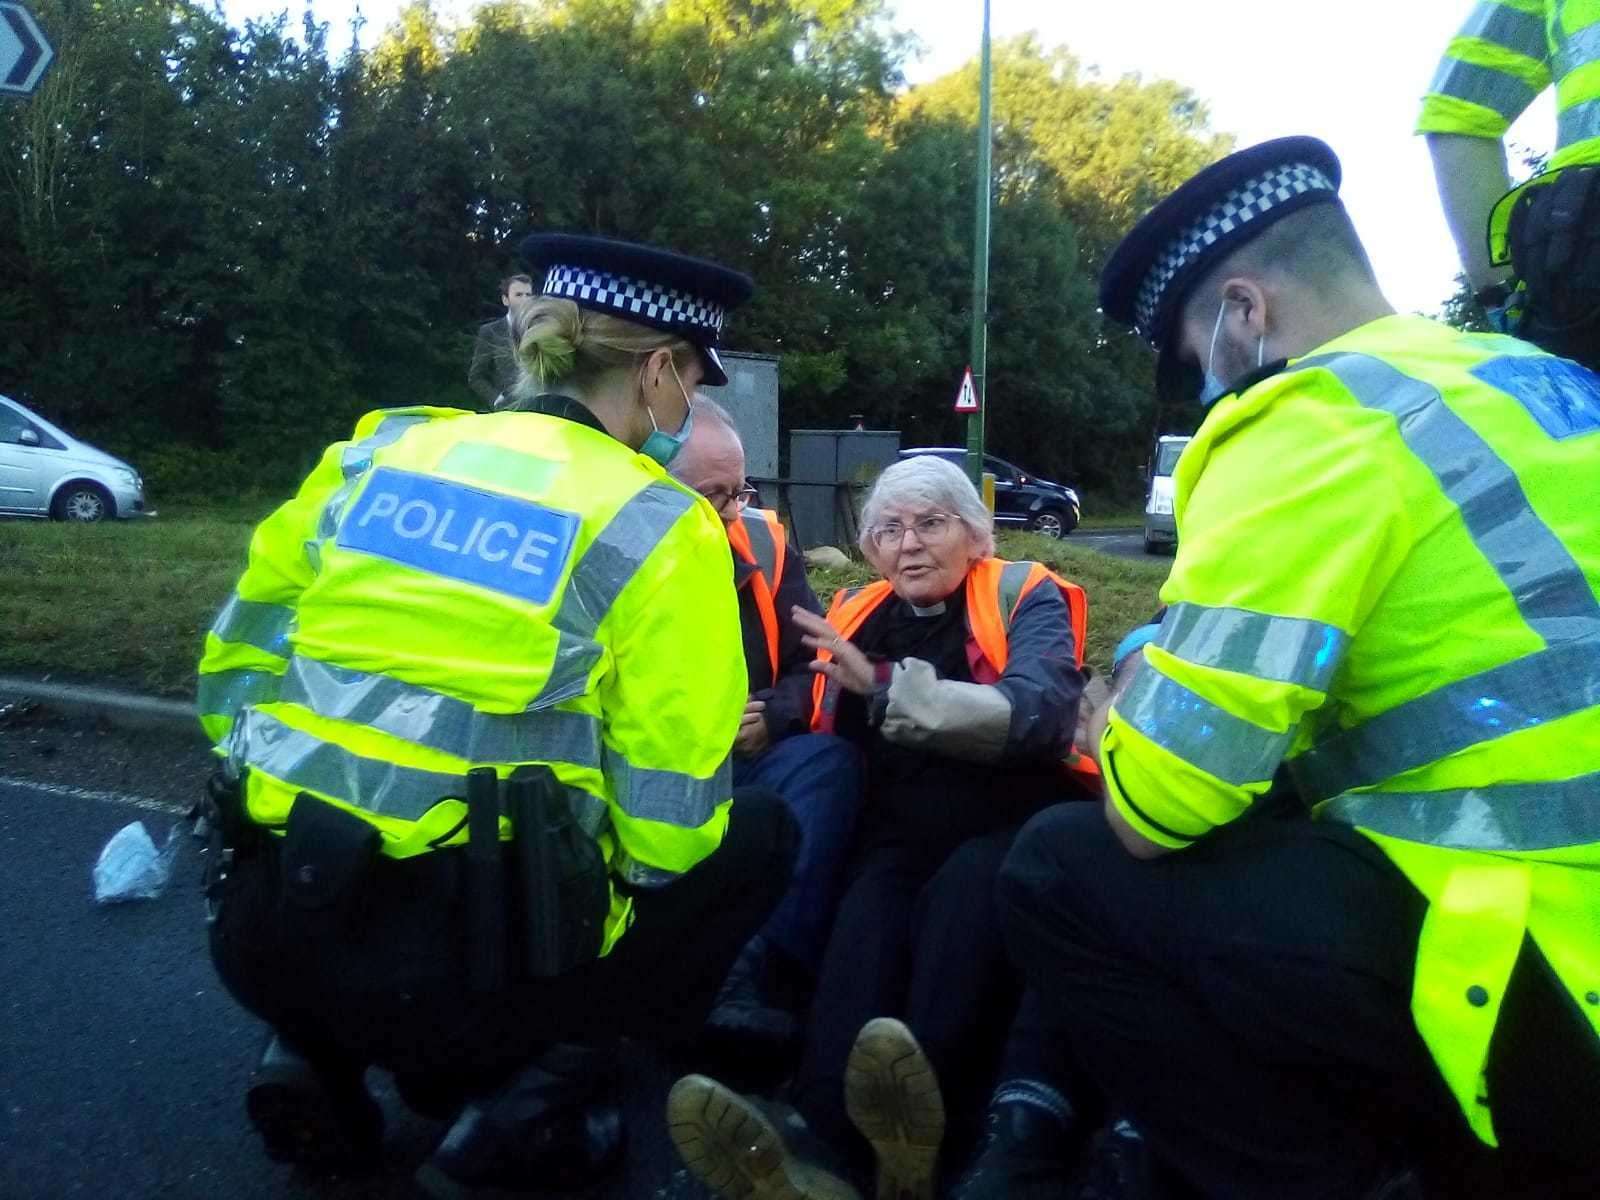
383,981
916,937
1247,1003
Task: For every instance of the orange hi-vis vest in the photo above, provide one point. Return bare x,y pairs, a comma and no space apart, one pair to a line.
995,588
757,538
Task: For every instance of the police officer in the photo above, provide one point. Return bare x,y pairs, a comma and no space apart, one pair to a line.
1538,269
1387,583
451,591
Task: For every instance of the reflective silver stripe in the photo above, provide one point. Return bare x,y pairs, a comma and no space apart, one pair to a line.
597,580
631,871
1505,26
1012,577
442,722
333,510
1504,93
264,626
762,546
667,796
1282,649
1544,580
1574,50
357,457
303,761
1522,694
1507,817
1578,124
1230,748
224,693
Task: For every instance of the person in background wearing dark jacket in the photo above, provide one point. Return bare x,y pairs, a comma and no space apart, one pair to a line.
957,676
818,776
494,358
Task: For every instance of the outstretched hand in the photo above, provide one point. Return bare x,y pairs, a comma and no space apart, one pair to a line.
849,668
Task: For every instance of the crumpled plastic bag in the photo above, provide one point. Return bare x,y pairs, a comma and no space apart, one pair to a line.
131,868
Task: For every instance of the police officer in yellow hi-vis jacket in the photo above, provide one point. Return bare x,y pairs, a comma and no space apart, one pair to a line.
450,592
1386,583
1531,253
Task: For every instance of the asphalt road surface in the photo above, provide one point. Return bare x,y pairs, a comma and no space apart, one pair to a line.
1122,543
123,1062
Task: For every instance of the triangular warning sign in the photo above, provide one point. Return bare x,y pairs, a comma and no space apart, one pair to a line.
967,397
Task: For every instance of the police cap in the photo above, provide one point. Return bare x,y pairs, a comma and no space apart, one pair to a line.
1228,204
689,297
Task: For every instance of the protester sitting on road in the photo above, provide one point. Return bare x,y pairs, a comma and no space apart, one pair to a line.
504,594
817,775
1387,583
957,675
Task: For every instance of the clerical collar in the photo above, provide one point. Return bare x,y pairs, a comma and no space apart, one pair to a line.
932,610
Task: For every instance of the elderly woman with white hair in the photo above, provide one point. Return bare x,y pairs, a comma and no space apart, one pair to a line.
958,675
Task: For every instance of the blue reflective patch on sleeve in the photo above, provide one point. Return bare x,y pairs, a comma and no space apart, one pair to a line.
498,542
1561,395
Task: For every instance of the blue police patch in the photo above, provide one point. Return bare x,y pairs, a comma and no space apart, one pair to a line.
1561,395
498,542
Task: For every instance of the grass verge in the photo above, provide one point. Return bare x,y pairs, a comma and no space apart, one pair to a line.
128,602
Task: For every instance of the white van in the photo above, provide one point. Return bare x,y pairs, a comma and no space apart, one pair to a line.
1160,530
46,472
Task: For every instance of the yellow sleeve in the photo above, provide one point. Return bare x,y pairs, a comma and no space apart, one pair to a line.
1491,71
247,647
672,705
1291,526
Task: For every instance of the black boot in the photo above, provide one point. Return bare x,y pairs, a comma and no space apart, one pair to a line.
546,1129
748,1016
1032,1139
1119,1167
321,1119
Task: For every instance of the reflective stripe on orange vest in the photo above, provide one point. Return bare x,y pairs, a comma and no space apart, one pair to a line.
757,538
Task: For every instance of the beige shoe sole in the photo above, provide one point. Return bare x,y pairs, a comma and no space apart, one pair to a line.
734,1150
892,1095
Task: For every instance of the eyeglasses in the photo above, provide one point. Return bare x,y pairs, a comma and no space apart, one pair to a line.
719,497
931,529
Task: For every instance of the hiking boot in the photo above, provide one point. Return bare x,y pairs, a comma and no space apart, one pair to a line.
747,1014
1027,1154
320,1120
892,1096
731,1146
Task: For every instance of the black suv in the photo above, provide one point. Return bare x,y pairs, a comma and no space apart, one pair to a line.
1020,500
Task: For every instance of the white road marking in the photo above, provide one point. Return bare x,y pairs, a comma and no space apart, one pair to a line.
125,799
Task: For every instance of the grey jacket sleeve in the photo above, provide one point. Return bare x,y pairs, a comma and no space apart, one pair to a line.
1041,679
481,374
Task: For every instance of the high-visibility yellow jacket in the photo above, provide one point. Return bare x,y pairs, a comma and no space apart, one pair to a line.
1505,55
451,590
1387,577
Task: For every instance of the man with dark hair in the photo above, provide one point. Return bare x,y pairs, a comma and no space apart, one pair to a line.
494,358
1386,584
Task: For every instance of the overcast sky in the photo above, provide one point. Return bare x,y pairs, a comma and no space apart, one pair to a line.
1351,73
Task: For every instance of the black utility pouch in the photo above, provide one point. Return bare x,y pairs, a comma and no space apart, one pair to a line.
1555,252
561,883
327,854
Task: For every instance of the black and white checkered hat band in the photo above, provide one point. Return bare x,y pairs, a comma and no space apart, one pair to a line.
632,298
1242,205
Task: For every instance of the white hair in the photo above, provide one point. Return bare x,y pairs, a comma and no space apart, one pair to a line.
703,406
927,481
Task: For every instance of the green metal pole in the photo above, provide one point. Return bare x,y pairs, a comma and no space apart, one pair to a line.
980,267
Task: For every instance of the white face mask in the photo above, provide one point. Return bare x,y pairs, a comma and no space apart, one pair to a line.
1213,389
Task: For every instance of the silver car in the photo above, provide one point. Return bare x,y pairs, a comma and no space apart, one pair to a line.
46,472
1160,529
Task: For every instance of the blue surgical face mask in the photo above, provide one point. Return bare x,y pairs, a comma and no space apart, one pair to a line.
1213,389
664,447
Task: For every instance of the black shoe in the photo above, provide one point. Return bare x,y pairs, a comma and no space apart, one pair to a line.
748,1015
1027,1153
1119,1167
323,1121
545,1129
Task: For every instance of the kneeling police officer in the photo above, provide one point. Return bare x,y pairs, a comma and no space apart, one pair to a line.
476,819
